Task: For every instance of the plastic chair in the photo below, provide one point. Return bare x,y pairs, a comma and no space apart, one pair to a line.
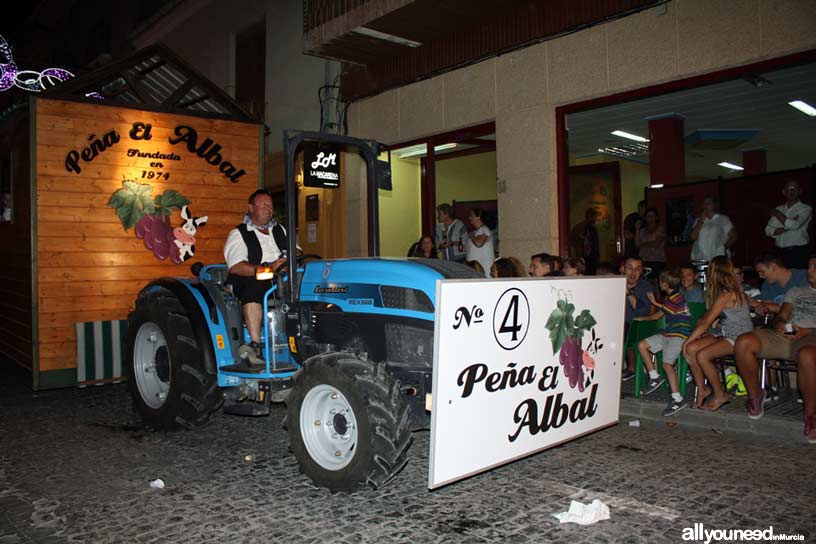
697,310
640,330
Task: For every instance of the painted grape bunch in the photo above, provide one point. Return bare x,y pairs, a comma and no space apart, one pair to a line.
157,234
566,335
136,207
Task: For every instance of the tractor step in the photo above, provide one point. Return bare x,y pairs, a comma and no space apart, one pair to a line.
246,368
247,408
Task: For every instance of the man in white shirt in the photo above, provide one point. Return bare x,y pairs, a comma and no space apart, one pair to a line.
788,226
451,234
259,239
713,233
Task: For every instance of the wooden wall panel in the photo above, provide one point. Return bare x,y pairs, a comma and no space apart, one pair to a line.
67,214
89,267
16,338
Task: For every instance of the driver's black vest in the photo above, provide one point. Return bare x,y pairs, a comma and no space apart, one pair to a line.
254,251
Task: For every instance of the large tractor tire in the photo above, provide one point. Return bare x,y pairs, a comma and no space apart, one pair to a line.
170,388
348,422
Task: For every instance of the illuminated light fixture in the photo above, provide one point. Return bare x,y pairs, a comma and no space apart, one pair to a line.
371,33
656,186
625,150
629,136
420,149
264,273
730,166
804,107
27,80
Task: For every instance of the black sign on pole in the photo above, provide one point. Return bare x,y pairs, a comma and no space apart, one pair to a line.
321,166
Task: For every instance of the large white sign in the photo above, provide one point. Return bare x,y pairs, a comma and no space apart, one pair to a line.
520,366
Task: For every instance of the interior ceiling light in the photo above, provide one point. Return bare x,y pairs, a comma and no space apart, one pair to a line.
656,186
629,136
804,107
421,149
363,31
625,150
730,166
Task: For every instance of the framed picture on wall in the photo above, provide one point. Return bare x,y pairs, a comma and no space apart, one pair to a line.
312,208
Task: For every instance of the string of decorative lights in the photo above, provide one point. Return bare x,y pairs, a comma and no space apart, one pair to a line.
27,80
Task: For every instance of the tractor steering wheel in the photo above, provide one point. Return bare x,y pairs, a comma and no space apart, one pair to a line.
284,268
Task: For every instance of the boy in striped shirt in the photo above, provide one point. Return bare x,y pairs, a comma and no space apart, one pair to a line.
670,340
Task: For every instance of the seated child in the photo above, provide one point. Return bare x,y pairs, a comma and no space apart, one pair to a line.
670,340
689,287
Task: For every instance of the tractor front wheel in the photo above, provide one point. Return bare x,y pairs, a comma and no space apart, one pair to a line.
349,425
167,380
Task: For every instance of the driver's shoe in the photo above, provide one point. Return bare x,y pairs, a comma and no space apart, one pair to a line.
251,353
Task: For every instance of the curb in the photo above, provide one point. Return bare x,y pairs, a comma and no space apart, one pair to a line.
769,426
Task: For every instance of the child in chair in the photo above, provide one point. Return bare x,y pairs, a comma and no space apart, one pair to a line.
670,340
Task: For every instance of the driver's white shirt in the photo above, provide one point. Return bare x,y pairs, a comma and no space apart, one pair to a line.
235,250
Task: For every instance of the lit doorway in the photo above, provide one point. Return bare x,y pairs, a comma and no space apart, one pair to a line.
457,168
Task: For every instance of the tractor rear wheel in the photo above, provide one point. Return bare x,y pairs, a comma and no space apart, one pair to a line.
167,380
348,422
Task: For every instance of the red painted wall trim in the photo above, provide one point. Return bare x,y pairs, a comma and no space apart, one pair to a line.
459,135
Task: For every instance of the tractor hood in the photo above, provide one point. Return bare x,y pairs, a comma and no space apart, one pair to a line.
405,287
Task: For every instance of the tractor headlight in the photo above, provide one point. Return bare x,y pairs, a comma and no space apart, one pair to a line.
264,273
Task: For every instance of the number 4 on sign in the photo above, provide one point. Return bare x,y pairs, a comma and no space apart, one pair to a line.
511,318
515,327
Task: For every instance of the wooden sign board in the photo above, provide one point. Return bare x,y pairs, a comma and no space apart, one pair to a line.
113,187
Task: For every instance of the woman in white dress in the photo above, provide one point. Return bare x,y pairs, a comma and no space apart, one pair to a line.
479,245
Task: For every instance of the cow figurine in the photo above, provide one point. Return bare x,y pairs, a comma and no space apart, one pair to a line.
185,234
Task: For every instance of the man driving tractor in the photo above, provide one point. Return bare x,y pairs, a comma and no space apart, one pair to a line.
258,242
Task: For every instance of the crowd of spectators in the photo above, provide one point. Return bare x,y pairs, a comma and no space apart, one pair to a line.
747,323
776,322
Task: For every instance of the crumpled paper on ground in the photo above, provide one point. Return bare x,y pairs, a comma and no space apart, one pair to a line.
584,514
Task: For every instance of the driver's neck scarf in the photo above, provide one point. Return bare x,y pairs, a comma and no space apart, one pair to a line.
248,221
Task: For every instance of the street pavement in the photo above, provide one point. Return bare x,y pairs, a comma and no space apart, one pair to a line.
75,467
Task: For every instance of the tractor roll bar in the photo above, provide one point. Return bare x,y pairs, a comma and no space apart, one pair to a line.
369,150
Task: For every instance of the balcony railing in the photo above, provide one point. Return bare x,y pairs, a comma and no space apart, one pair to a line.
319,12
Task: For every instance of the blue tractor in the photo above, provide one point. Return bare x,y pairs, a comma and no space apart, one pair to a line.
348,345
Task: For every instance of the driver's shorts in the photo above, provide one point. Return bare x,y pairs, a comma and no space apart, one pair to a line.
248,289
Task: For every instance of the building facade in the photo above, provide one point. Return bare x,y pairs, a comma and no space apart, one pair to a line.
257,46
521,90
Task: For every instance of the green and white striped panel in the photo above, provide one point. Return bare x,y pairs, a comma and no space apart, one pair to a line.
100,351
